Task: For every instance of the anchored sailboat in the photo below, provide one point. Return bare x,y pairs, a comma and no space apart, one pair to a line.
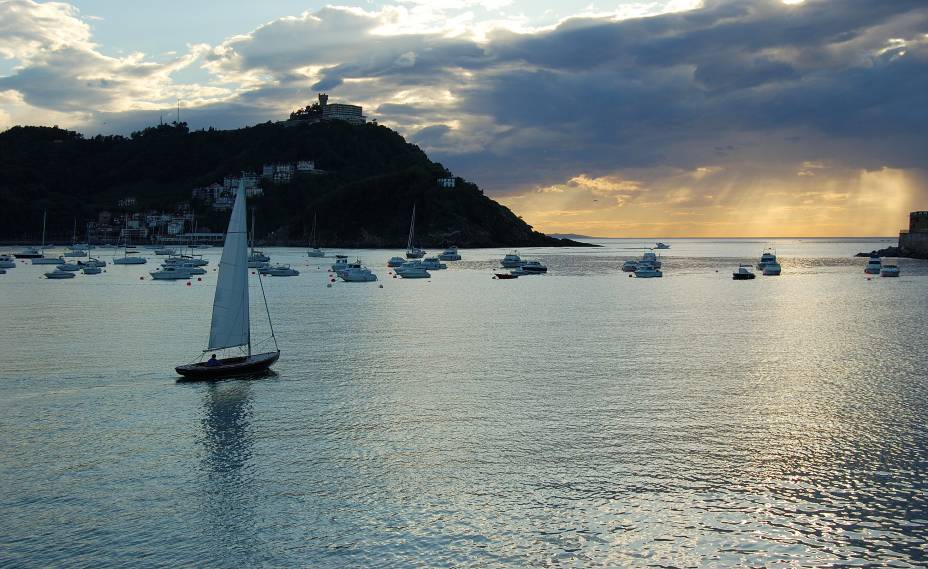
231,323
413,252
314,250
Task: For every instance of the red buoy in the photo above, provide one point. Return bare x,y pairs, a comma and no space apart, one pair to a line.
188,283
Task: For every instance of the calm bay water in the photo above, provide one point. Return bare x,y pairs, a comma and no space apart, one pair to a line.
582,418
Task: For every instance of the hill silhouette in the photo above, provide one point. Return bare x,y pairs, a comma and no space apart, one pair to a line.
373,178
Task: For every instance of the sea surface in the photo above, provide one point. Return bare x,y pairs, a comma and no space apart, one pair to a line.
578,419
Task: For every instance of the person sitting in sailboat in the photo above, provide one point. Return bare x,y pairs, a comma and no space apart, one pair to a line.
212,361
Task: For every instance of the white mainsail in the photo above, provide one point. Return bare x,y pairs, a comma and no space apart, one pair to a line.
231,325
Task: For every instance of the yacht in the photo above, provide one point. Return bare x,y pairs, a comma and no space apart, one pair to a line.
357,273
92,262
533,268
28,253
414,272
433,263
766,258
413,252
171,273
165,251
190,268
450,254
873,265
48,261
889,271
258,256
396,262
661,245
772,269
130,258
649,258
630,266
511,261
75,253
56,274
91,270
647,272
283,271
192,261
7,262
743,273
70,267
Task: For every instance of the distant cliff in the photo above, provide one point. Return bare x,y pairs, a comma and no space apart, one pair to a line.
364,200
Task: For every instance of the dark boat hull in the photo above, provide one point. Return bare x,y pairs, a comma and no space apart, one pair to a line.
27,256
229,367
742,277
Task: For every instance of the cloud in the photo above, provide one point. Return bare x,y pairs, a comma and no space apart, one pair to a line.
708,94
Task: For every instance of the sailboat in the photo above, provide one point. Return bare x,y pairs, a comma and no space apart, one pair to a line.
75,250
413,252
314,251
127,259
32,252
231,323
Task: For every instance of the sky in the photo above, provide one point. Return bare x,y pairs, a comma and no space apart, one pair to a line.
651,118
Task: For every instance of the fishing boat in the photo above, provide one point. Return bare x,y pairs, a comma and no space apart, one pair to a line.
766,258
450,254
230,327
314,250
743,273
395,262
411,251
772,269
357,273
889,271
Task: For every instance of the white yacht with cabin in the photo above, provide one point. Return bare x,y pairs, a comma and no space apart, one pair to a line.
874,265
511,261
450,254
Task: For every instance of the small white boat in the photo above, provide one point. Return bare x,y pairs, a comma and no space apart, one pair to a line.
75,253
874,265
630,266
7,262
130,260
450,254
171,273
766,258
413,265
433,264
357,273
165,251
661,245
48,261
56,274
258,256
189,260
88,270
417,272
70,267
92,262
395,262
28,253
649,258
889,271
743,273
283,271
511,261
315,253
533,268
192,269
772,269
648,272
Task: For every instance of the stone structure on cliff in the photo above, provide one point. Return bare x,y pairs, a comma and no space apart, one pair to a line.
914,242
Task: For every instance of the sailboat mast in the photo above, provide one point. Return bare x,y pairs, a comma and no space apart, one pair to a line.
44,217
412,228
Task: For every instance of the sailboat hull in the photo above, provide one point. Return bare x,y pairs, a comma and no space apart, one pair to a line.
229,367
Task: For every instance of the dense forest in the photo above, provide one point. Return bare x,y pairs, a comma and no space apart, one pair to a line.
373,178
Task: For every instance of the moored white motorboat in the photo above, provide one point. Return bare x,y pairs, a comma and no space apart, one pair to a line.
646,271
283,271
341,262
630,266
415,272
511,261
171,273
314,250
56,274
772,269
91,270
188,260
433,264
258,256
889,271
357,273
7,262
130,258
395,262
92,262
874,265
165,251
533,268
743,273
766,258
75,253
70,267
450,254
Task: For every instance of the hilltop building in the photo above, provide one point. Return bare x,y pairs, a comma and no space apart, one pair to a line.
447,182
915,240
322,110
